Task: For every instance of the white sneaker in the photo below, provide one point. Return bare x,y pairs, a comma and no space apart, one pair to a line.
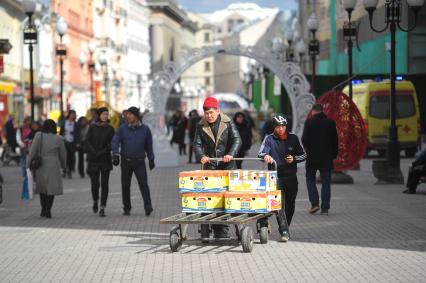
285,237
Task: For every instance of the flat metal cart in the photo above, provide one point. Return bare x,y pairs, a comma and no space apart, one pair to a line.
244,233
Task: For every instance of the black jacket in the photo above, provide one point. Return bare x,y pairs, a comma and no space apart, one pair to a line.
228,142
193,121
98,147
245,133
320,141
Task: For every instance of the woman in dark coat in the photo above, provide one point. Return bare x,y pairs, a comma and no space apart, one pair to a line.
98,146
53,157
179,123
244,130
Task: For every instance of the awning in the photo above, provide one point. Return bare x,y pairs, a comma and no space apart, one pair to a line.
6,87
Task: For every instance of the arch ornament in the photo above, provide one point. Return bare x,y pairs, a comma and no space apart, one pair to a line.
289,74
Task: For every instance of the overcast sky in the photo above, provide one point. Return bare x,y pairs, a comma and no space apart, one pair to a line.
207,6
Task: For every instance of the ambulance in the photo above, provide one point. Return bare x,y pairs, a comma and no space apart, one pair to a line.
372,100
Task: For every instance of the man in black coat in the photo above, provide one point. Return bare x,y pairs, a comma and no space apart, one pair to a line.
216,136
321,145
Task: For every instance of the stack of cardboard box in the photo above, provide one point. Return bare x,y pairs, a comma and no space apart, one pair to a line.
202,190
232,191
252,191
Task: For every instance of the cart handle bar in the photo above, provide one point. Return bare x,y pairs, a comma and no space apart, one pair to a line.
241,158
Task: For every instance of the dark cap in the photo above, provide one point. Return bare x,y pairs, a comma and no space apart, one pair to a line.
134,110
279,120
101,109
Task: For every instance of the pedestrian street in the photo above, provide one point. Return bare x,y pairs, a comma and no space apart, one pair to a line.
372,234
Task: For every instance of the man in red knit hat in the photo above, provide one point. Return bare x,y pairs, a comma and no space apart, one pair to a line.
216,136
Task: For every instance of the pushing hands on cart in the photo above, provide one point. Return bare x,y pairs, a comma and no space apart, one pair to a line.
226,159
269,160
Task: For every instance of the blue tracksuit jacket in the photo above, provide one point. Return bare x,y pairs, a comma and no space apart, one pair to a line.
279,149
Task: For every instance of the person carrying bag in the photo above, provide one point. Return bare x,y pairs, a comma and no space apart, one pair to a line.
47,170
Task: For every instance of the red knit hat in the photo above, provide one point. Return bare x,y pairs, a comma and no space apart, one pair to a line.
210,102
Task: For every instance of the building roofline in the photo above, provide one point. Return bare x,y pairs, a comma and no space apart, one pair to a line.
169,7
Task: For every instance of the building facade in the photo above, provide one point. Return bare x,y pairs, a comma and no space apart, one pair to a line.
238,24
171,32
14,81
370,52
12,94
137,60
79,17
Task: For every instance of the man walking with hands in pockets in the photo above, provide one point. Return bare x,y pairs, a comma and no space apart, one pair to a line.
321,143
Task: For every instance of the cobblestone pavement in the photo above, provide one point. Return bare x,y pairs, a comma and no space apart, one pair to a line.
373,234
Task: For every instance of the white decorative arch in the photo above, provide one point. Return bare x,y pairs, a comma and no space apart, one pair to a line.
289,73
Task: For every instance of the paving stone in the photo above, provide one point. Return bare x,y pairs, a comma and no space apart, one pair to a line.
373,234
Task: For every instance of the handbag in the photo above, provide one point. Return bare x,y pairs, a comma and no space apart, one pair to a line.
36,161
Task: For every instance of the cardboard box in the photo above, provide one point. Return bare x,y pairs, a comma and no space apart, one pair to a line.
203,181
252,202
202,202
252,180
274,201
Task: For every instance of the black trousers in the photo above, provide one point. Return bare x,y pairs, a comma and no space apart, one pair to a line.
137,166
289,187
239,163
414,175
81,156
182,148
190,152
46,201
104,184
70,147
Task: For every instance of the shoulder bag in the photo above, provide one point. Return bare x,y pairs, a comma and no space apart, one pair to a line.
36,161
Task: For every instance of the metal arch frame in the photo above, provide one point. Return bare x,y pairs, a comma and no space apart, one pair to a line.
289,73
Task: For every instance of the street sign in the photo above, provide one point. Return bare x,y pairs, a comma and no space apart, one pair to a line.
1,64
5,46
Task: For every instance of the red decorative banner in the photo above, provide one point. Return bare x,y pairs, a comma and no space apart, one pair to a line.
350,128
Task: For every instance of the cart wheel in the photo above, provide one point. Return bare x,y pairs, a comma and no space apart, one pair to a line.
175,241
263,235
205,233
247,239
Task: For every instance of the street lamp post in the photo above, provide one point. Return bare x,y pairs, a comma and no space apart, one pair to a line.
139,84
290,53
313,47
61,52
92,49
349,32
91,67
392,19
300,49
30,38
104,63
